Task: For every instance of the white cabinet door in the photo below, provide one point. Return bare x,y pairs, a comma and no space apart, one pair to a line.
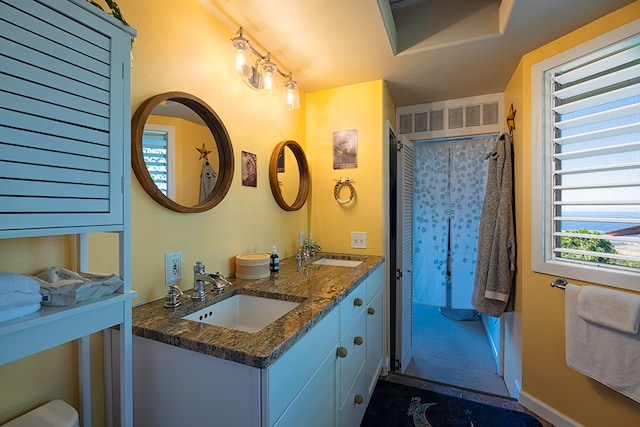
315,405
64,119
374,340
294,375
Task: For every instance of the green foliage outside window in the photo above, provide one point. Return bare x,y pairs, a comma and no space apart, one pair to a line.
592,245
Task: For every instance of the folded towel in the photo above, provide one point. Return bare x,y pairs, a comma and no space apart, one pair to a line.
12,282
609,356
13,313
607,307
17,299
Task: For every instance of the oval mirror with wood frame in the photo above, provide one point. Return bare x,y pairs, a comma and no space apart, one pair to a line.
181,152
297,185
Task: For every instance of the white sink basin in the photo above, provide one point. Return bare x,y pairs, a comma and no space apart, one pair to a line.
338,262
243,312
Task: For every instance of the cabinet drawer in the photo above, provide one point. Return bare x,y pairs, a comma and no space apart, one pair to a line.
351,412
349,366
289,374
351,307
375,282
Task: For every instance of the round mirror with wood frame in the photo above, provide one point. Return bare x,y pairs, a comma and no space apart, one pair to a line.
303,169
222,145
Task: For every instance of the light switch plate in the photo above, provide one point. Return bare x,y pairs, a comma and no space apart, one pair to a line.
173,267
359,239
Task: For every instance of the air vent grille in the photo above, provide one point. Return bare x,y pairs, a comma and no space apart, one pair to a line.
472,115
463,116
420,122
436,118
490,114
455,118
406,123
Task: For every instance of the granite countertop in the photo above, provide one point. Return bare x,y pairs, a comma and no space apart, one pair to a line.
318,288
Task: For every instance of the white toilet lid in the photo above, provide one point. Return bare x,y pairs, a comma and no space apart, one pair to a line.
56,413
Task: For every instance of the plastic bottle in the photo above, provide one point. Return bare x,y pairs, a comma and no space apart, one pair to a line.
274,262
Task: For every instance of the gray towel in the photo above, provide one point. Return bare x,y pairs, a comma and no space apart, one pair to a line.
496,261
207,180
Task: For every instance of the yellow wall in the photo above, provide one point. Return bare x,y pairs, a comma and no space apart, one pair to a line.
180,47
545,375
357,107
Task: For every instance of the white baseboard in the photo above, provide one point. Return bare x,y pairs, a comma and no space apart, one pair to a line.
492,343
550,414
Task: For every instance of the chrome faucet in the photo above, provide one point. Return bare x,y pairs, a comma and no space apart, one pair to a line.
218,281
198,281
309,249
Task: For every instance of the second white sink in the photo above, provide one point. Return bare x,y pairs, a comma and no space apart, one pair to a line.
338,262
243,312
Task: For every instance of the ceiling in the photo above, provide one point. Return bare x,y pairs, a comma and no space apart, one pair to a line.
426,50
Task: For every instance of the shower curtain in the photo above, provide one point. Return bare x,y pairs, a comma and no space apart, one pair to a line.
449,183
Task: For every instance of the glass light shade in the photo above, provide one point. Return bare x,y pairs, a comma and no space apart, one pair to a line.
270,77
241,46
240,58
290,95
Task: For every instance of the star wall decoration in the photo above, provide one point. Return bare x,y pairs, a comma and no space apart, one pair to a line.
203,152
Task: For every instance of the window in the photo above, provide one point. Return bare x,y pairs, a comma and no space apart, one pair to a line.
586,207
158,152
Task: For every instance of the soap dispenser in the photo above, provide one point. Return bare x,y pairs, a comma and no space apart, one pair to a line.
274,262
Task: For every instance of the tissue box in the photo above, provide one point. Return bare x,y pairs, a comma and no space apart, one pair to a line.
252,266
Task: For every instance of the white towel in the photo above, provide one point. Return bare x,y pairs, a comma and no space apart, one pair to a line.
14,313
609,356
17,299
12,282
607,307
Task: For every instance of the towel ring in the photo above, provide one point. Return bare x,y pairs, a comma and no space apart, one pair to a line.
338,186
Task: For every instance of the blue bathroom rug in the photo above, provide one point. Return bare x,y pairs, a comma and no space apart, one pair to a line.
397,405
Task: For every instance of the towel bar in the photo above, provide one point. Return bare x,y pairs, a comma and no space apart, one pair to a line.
559,283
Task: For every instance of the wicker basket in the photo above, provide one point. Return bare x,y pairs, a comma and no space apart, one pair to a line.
252,266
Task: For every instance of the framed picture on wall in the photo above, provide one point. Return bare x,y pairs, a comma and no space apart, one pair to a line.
345,149
249,169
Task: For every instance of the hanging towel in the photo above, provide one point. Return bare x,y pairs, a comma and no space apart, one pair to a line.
607,355
14,313
207,180
12,282
496,260
17,299
607,307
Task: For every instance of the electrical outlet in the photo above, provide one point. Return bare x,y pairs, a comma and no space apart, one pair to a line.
301,239
173,265
359,239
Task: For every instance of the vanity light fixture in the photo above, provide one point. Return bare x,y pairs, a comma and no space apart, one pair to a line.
263,74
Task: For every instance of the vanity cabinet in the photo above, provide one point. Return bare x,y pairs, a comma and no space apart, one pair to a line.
324,379
64,164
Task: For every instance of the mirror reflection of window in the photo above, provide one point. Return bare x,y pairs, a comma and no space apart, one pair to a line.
158,148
